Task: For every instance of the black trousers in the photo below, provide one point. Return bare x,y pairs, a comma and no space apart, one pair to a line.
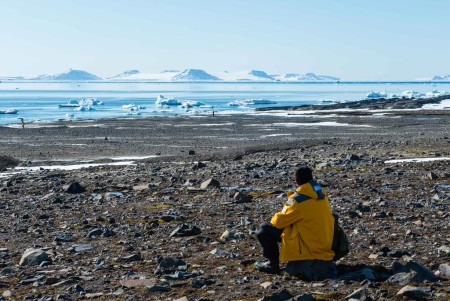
269,237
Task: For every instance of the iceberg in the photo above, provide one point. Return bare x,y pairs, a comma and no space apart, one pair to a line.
73,103
192,103
132,107
90,102
164,101
84,108
412,94
376,94
9,111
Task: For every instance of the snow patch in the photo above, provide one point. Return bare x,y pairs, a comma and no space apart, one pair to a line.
418,160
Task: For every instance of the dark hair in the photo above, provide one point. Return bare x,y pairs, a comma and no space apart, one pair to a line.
303,175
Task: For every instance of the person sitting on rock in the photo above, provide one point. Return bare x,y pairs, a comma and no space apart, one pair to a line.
305,228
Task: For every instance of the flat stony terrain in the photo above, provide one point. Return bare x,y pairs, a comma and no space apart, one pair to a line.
158,229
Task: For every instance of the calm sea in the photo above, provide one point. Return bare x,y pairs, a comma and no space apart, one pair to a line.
39,101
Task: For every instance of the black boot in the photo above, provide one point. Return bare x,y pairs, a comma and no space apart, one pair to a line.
268,267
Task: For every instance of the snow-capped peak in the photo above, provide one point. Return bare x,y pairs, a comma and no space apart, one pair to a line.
72,74
194,75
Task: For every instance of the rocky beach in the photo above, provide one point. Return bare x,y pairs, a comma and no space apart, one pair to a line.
175,217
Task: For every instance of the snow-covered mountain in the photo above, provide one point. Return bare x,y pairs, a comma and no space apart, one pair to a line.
190,75
252,75
194,75
69,75
307,77
443,77
125,74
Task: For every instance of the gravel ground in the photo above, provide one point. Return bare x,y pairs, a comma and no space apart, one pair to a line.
152,230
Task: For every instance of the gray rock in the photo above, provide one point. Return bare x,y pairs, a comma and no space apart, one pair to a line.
7,271
365,273
241,197
78,248
7,162
201,282
403,278
359,294
169,218
444,270
283,295
130,258
432,176
422,272
170,265
210,183
304,297
95,233
74,188
444,250
230,235
185,230
415,293
34,257
353,157
158,288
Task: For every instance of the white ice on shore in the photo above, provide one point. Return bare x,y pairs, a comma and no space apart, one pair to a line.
445,104
250,102
417,160
412,94
436,93
72,167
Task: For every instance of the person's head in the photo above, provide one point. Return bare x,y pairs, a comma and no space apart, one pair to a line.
303,175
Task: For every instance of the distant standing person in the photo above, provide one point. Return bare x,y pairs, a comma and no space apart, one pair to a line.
23,122
305,228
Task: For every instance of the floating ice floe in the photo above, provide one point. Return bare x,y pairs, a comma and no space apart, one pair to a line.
84,102
9,111
376,94
412,94
250,102
90,102
164,101
192,103
132,107
85,108
73,103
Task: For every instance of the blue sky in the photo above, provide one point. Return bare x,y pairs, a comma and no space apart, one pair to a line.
351,39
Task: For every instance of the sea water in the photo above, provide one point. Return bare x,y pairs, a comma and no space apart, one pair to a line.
38,101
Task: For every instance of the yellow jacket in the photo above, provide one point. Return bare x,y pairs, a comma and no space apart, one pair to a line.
307,223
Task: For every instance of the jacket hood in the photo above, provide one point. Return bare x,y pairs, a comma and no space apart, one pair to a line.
312,190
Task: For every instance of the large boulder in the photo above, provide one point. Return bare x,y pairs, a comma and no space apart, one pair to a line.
33,257
210,183
422,273
74,188
7,162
